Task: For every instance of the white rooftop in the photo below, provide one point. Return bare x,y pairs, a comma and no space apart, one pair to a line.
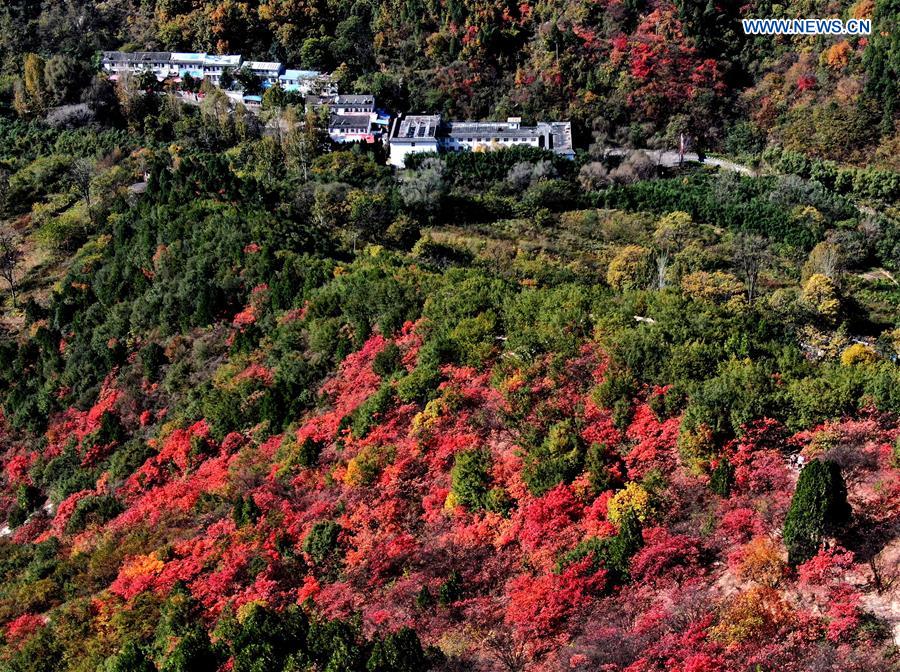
418,126
263,65
188,56
300,74
224,59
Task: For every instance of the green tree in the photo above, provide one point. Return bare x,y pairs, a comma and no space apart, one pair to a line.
193,652
249,81
63,75
558,459
882,59
322,541
31,90
131,658
819,507
266,638
471,478
399,651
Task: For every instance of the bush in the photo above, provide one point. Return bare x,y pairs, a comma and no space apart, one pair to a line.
610,553
388,360
630,268
722,478
370,412
558,459
471,478
152,358
194,651
93,510
321,544
399,651
245,511
266,639
131,658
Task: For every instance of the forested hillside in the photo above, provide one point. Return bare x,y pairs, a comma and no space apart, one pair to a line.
269,404
637,72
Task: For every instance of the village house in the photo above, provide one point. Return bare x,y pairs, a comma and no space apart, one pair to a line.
267,71
165,64
354,104
214,66
352,117
187,63
118,62
416,134
352,127
300,81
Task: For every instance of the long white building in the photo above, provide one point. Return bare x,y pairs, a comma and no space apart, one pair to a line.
416,134
165,64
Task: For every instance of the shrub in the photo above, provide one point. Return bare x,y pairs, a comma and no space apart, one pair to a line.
245,511
597,464
471,478
266,639
632,500
321,544
761,562
388,360
722,478
858,354
399,651
152,358
610,553
369,413
558,459
368,464
194,651
93,510
131,658
450,590
630,268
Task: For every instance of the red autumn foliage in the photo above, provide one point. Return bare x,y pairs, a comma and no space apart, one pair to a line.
21,628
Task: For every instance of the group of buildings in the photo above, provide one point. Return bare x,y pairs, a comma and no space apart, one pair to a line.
201,65
352,118
415,134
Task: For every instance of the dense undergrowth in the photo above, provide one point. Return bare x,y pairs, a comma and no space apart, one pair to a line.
285,410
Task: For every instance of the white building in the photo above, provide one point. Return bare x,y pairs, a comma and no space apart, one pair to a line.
117,62
187,63
267,71
300,81
414,134
417,134
214,66
352,127
353,104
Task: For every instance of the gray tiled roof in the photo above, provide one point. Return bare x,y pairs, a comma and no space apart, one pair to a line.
340,121
137,56
458,129
365,99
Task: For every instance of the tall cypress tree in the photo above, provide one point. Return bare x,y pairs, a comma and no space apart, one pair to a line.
819,507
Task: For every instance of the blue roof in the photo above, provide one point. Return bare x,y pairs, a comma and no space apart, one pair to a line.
188,56
253,99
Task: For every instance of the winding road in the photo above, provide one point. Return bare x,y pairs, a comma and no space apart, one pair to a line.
670,159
